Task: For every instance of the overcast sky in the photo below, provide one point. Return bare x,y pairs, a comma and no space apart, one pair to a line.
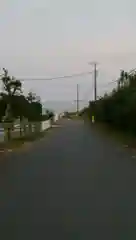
47,38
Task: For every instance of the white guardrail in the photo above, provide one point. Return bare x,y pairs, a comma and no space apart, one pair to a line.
45,125
56,117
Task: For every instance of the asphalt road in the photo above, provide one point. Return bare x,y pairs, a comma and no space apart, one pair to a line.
73,184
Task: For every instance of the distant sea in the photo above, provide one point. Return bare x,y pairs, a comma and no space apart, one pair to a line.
61,106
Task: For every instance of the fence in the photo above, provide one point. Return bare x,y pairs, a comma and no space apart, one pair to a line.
13,131
25,128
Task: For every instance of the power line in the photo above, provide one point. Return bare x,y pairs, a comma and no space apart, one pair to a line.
130,72
55,78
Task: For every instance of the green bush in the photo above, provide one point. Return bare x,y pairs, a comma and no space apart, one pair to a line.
119,107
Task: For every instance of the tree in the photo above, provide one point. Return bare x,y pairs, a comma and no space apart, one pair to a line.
31,97
35,107
121,79
11,88
11,85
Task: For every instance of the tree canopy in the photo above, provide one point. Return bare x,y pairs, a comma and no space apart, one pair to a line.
14,104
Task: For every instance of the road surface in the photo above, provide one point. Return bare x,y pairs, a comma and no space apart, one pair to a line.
73,184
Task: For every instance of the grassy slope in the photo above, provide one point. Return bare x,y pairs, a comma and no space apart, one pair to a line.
125,138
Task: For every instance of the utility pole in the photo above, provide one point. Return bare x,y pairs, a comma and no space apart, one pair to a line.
95,83
95,88
95,79
77,99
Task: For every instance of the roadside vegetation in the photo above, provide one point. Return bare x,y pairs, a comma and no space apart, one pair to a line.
18,109
117,110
